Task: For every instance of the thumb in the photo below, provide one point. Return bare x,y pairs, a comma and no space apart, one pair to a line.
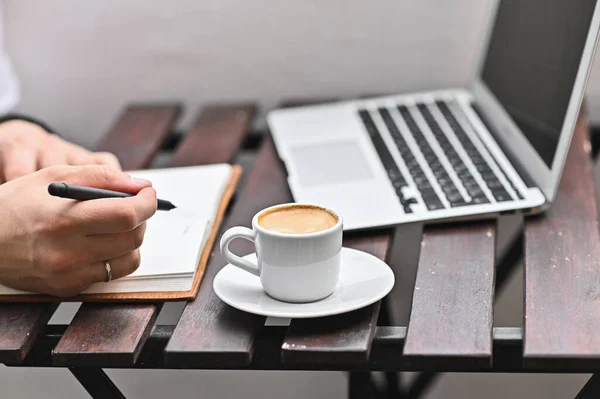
98,176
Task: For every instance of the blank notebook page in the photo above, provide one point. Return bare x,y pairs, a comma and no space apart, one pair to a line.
174,239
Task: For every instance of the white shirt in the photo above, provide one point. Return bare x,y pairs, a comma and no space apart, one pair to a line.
9,85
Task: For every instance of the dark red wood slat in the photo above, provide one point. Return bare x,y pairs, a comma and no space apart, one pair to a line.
20,325
138,133
208,328
121,347
452,307
404,261
111,336
562,269
216,136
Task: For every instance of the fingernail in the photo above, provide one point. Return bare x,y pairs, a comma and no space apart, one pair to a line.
140,181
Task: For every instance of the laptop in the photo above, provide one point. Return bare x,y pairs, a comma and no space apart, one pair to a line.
496,147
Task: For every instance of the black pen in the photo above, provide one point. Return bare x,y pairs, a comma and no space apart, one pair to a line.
83,193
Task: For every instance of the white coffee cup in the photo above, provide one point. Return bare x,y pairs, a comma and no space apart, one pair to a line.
293,266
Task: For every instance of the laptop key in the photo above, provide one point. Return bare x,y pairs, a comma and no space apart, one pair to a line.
454,197
461,170
479,200
428,193
450,190
483,168
419,180
477,160
444,182
494,184
431,199
435,164
456,162
488,176
475,192
440,173
424,185
431,158
412,164
501,195
434,205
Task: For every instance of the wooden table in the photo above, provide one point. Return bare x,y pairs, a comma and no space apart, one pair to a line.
438,318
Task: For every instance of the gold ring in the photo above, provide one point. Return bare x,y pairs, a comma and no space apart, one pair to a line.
107,271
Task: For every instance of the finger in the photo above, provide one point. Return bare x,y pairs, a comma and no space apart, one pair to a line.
2,178
106,158
98,176
106,246
52,154
115,215
77,155
82,277
17,160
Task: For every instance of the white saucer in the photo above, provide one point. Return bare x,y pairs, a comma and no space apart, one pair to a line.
364,279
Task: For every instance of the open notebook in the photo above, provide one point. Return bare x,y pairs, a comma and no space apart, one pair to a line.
177,243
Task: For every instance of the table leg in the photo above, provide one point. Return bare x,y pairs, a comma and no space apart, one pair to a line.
96,383
591,390
360,385
420,385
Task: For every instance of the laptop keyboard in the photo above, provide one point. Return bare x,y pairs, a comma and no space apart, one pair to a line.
441,175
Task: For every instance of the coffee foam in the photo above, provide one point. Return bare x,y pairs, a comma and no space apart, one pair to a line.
297,219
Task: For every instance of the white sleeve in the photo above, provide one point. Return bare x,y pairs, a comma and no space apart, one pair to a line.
9,85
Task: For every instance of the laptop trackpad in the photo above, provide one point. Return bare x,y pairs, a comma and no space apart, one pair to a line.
330,163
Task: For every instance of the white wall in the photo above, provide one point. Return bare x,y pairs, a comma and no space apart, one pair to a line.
80,61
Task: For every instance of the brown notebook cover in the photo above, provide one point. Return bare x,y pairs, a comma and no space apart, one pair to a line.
236,172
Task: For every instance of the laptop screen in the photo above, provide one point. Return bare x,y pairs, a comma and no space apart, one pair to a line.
531,64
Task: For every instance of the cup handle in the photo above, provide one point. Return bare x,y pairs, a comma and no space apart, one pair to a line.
232,234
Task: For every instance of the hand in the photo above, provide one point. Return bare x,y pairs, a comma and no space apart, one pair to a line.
25,147
57,246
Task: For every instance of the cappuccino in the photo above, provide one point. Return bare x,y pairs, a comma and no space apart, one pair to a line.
297,219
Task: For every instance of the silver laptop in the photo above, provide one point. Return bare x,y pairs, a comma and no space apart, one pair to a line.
444,155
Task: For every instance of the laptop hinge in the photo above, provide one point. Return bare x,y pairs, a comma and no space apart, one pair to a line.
513,160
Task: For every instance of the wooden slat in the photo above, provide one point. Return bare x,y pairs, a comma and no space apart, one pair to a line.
452,307
404,261
20,325
208,328
216,136
101,333
562,270
110,336
138,133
